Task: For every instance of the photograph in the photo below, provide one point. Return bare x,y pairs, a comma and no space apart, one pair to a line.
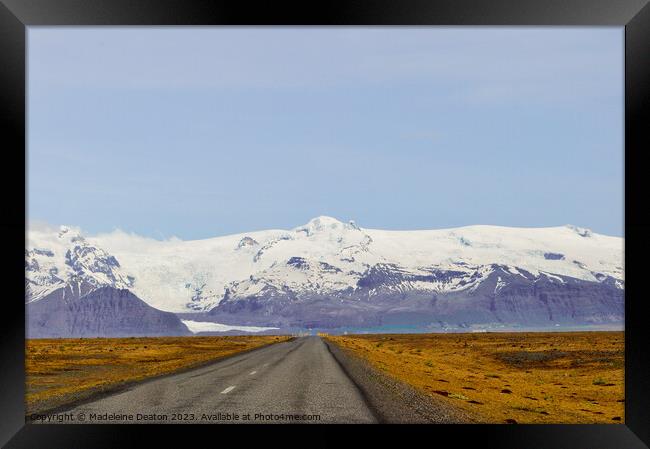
325,225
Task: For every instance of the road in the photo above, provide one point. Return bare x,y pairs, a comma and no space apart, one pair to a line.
296,377
298,381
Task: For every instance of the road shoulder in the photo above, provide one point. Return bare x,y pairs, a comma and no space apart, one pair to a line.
391,400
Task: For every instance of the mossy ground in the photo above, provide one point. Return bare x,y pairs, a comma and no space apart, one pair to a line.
569,377
59,371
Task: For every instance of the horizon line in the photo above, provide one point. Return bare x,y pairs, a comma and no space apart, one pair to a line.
49,227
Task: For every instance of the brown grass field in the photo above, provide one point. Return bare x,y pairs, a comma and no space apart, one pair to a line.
60,371
572,377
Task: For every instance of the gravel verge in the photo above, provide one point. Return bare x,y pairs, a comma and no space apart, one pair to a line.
393,401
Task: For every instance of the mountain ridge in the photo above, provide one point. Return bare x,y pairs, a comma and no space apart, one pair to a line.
328,262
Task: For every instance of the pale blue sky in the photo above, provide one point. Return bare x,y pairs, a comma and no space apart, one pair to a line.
198,132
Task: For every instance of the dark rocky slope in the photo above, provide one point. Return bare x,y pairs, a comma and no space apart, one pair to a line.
104,312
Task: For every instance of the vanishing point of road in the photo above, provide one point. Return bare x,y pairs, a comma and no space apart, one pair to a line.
297,381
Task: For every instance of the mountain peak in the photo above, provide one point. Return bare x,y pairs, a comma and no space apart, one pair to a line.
324,223
323,220
63,230
70,233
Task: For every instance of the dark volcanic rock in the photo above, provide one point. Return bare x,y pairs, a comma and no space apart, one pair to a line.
247,241
104,312
553,256
298,262
384,296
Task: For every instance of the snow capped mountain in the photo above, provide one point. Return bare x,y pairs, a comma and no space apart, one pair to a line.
327,260
64,258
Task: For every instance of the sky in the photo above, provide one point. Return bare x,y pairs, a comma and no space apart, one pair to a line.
201,132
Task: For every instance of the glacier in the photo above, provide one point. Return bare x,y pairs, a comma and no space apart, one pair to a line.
330,273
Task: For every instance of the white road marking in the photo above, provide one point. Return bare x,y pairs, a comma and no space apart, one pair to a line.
228,390
252,372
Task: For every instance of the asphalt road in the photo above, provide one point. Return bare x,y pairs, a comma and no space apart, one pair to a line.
298,381
298,377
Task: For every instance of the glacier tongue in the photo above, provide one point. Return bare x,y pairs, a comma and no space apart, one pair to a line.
325,258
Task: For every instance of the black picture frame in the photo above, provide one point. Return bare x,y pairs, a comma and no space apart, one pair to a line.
634,15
